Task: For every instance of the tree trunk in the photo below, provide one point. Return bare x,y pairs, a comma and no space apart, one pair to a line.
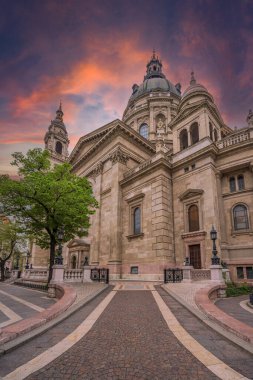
2,270
52,256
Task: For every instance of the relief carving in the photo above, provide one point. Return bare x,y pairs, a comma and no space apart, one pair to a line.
119,156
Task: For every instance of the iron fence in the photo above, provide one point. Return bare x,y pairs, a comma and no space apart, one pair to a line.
100,275
173,275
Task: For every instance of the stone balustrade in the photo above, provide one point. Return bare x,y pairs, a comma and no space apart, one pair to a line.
35,274
234,139
73,275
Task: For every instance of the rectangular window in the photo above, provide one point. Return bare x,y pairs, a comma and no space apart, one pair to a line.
134,270
239,271
193,166
186,169
249,272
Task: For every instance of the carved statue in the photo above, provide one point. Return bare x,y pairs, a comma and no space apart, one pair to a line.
160,130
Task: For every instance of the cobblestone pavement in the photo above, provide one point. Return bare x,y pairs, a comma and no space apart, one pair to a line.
36,346
129,341
29,296
228,352
187,291
232,307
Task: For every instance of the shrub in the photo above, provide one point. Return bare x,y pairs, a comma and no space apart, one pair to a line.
237,290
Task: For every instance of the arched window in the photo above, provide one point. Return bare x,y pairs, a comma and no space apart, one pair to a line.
232,186
58,147
194,132
73,262
144,130
137,220
240,181
240,217
215,134
193,217
211,131
183,137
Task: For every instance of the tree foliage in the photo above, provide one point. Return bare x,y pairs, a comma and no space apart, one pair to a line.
47,199
12,242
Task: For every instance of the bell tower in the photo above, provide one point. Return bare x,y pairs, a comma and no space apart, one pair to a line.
56,139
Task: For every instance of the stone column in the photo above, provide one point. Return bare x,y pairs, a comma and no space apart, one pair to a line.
97,188
221,211
118,158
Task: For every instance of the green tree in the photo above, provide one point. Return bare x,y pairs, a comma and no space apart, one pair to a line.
46,200
11,242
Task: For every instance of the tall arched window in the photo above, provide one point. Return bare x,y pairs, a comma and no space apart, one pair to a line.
144,130
193,218
137,220
215,134
211,131
183,137
194,132
240,181
240,217
58,147
232,186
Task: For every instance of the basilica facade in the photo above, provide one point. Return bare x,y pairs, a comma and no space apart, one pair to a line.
163,176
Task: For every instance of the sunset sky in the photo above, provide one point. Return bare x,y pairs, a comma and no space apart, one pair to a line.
89,54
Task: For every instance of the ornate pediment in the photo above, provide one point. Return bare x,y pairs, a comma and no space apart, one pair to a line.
118,129
74,243
190,193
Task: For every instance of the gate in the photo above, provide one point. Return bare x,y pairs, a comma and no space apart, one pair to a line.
173,275
100,275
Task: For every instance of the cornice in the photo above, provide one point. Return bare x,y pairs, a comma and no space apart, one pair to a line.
145,169
210,150
119,129
183,114
92,136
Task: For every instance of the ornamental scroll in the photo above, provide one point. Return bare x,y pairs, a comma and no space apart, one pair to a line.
119,156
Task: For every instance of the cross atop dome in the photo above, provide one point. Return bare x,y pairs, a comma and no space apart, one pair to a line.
193,80
154,67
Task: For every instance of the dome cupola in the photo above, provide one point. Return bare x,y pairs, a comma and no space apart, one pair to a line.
195,89
154,68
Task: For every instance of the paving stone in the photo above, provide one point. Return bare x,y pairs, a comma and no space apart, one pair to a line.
234,356
232,307
130,340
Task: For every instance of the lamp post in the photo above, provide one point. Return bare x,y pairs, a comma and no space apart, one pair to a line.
213,236
27,259
59,259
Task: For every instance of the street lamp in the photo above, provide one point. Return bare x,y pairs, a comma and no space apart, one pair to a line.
60,235
213,236
27,259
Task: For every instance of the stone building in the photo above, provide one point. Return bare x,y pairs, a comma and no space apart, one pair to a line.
163,175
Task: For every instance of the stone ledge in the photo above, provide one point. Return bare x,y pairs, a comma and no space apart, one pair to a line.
67,297
203,301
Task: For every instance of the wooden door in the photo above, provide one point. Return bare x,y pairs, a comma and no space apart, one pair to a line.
195,256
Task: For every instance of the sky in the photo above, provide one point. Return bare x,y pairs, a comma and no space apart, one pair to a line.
88,54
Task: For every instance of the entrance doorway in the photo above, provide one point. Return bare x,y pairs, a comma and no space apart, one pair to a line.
195,256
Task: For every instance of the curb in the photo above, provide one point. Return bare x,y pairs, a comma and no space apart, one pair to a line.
67,296
229,323
43,327
204,318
